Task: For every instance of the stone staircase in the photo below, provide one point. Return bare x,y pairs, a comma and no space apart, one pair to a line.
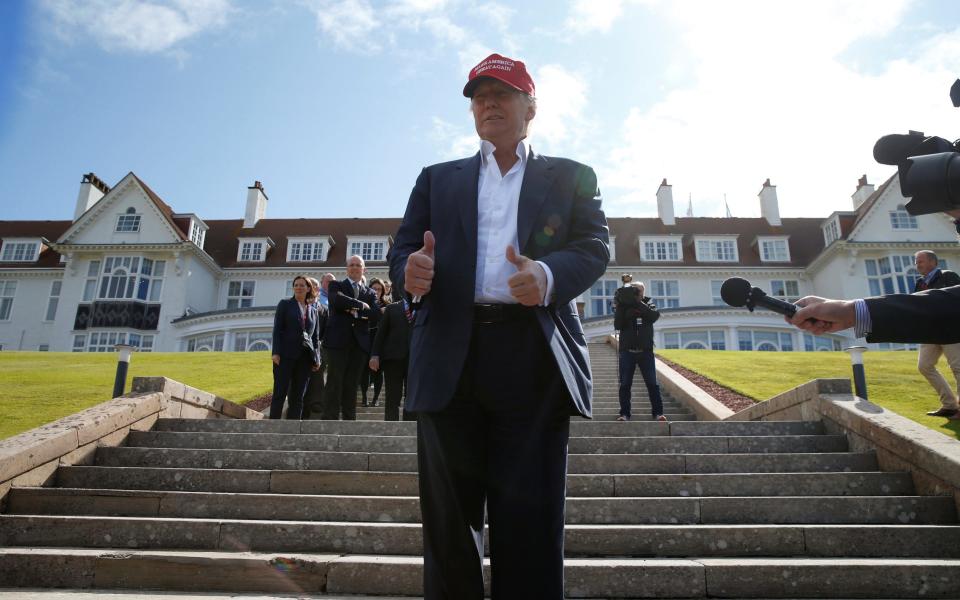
680,510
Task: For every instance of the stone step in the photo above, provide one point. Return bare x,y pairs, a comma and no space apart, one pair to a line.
612,416
406,462
890,541
360,483
397,575
577,445
578,427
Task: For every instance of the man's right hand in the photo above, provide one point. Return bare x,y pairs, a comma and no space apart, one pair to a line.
820,315
276,359
418,274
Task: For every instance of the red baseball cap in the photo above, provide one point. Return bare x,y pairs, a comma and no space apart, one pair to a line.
511,72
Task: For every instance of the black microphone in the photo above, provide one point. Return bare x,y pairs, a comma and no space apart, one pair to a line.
737,291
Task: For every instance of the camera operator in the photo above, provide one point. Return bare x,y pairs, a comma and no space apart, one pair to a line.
634,316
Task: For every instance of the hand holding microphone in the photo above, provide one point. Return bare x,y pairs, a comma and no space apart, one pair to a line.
737,291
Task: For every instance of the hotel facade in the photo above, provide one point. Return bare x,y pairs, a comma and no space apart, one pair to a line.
130,269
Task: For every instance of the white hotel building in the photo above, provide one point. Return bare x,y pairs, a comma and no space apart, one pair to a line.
130,269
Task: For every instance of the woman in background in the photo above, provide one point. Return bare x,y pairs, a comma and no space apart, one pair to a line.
296,339
368,374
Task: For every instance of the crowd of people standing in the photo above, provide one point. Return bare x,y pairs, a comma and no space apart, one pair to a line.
331,337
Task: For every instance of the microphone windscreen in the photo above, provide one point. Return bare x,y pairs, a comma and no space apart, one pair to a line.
893,149
735,291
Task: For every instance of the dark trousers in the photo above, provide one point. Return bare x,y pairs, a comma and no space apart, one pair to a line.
395,378
629,361
366,377
343,374
502,441
313,399
290,380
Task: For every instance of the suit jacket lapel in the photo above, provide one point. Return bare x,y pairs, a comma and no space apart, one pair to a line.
533,192
465,190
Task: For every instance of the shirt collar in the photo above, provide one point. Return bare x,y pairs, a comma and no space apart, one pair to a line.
487,148
931,275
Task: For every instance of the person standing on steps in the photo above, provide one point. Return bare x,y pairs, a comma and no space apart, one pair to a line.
932,277
296,339
391,348
634,316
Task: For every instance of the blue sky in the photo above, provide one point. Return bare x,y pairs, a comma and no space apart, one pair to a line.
336,105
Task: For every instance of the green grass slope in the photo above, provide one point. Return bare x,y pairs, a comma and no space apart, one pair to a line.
39,387
892,377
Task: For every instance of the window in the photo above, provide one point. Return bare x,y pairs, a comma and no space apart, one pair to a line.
20,251
206,343
787,290
90,287
79,343
251,252
774,250
715,286
665,293
901,219
305,252
240,294
43,348
197,234
252,341
891,274
8,289
612,247
769,341
660,250
831,231
368,250
104,341
128,222
53,301
601,297
820,343
717,250
713,339
129,277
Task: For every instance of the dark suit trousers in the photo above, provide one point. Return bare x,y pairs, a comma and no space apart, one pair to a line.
501,440
343,375
395,377
290,380
629,361
313,399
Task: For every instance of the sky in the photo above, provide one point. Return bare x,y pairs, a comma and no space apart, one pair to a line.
336,105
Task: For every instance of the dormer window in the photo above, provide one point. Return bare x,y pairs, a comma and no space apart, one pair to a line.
20,251
198,234
129,222
370,249
901,219
252,250
717,249
308,249
665,249
831,231
774,250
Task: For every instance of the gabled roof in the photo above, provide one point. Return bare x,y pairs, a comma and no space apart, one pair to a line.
864,209
165,209
49,230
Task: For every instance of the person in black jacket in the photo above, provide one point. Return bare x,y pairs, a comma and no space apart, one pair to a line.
296,339
313,399
932,277
634,316
390,350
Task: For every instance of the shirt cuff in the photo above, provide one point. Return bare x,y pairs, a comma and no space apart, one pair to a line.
863,325
548,295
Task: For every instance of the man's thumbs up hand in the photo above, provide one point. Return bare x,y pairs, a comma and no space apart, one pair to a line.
418,274
529,284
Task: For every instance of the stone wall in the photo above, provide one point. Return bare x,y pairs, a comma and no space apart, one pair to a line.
32,458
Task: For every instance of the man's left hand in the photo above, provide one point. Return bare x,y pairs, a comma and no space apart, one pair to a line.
529,284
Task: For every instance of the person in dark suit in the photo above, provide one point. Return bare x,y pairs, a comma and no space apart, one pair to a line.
296,342
391,347
368,375
932,277
353,309
313,399
634,316
497,247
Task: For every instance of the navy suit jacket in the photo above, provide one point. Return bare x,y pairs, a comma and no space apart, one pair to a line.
288,330
928,317
342,328
559,222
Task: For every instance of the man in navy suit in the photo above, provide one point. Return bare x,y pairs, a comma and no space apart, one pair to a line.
346,342
498,246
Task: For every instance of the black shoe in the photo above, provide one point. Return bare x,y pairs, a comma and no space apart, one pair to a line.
364,403
943,412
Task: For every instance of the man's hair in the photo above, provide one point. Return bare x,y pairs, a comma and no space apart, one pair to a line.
357,256
929,253
330,275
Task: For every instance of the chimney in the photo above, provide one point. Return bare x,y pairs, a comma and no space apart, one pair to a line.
665,203
92,188
864,190
769,207
256,205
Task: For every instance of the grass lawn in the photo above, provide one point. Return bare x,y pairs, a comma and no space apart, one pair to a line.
892,377
39,387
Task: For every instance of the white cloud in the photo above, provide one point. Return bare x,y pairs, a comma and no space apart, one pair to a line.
136,25
349,23
587,16
769,96
454,141
561,99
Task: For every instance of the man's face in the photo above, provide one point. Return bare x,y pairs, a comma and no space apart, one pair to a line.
924,263
500,113
355,268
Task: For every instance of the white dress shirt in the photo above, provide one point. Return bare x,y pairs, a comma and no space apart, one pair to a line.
498,201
